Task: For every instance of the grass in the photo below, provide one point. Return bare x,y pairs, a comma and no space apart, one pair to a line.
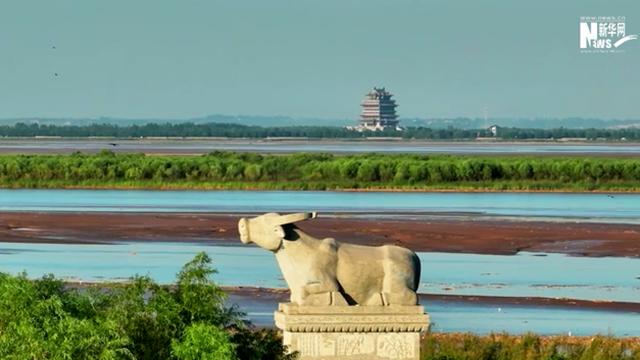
486,186
529,346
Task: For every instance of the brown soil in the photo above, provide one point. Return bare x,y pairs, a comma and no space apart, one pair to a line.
455,236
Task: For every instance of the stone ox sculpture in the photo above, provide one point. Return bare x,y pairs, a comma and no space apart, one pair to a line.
327,272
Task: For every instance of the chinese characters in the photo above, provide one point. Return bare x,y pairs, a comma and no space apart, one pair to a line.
611,29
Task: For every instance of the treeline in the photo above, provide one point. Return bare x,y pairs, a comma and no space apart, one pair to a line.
285,121
314,171
188,129
181,130
142,320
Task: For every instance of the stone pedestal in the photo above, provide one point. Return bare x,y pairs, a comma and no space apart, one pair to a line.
352,332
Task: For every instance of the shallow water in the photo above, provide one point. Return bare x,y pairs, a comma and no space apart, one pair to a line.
448,316
623,208
483,320
353,147
522,275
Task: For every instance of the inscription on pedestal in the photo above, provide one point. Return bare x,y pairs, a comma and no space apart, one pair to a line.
396,346
354,344
315,345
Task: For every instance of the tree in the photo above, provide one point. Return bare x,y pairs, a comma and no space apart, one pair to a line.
204,342
46,319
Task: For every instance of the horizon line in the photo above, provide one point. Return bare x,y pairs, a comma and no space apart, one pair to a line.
240,116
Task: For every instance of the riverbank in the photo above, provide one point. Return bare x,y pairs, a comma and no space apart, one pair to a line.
267,300
275,296
632,188
281,146
386,141
474,236
270,298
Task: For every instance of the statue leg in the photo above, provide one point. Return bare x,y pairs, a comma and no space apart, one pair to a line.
395,289
377,299
324,293
333,298
405,297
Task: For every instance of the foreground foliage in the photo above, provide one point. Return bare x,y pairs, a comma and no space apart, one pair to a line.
229,170
189,129
44,319
528,347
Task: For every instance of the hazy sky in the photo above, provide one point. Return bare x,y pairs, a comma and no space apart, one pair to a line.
312,58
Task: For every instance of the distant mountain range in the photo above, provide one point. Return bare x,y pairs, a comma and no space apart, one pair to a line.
284,121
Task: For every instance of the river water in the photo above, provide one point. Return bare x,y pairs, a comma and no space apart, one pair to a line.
44,146
609,279
448,316
524,275
622,208
460,274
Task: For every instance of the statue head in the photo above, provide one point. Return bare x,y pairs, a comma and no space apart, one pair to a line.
267,230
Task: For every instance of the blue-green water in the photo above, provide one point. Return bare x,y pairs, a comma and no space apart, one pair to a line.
522,275
609,279
44,146
450,316
623,208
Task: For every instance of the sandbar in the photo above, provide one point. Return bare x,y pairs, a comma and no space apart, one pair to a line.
199,146
472,236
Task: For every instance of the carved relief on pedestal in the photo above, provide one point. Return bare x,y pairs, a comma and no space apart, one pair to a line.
396,346
355,344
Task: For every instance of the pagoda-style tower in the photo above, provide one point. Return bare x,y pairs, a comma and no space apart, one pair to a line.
379,110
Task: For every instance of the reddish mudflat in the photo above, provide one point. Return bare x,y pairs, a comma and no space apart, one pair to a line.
479,237
455,236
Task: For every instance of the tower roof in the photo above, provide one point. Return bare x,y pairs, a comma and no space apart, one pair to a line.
379,92
379,109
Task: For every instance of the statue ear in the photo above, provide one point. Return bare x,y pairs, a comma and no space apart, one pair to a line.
278,231
293,218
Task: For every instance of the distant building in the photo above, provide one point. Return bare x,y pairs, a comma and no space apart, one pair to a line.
378,112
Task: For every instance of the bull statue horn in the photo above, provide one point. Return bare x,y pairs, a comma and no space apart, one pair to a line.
293,218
